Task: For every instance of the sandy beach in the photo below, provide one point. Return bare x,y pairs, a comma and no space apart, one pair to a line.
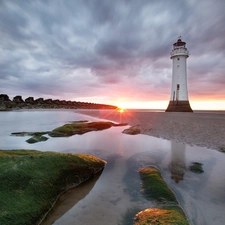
205,129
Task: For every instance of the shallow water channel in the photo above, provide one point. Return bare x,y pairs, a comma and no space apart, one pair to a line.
115,194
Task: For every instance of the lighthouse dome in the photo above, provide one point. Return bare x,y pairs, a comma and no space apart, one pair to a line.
179,43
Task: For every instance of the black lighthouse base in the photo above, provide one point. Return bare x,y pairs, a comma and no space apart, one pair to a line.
179,106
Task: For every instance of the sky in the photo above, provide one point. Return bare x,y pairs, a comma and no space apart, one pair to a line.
112,52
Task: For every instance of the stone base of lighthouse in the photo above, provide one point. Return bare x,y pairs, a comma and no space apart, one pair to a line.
179,106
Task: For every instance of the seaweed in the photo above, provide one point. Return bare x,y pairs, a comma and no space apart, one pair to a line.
196,167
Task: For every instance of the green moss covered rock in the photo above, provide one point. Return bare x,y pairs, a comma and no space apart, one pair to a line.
196,167
32,180
154,188
67,130
23,134
37,138
79,128
163,216
167,210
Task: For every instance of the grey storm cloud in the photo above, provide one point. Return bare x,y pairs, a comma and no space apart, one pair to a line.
76,48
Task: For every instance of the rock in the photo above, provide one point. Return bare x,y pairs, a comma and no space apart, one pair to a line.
222,149
39,101
3,107
31,181
79,128
30,100
167,210
48,101
67,130
37,138
163,216
56,101
196,167
154,187
22,134
18,99
132,130
4,98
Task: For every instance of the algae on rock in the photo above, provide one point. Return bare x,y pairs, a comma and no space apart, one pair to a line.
167,210
196,167
163,216
67,130
36,138
32,180
79,128
154,188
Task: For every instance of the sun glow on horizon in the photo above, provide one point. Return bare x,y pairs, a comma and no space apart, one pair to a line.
143,105
121,110
195,105
208,105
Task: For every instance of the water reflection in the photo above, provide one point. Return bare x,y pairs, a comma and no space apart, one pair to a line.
70,198
177,165
118,189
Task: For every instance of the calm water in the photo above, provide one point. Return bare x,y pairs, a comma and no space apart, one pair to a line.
108,198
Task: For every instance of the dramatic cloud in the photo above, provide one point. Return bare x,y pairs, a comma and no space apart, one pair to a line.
108,51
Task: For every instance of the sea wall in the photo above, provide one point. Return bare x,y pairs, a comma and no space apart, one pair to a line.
30,103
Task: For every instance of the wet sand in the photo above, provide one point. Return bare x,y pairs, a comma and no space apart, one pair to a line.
205,129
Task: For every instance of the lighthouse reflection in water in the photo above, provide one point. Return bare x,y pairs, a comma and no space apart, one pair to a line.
177,165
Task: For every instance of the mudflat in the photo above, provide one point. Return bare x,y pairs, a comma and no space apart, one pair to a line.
205,129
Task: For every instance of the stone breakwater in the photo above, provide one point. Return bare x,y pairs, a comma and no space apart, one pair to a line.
30,103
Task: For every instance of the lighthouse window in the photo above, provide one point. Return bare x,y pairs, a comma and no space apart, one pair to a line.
178,59
178,66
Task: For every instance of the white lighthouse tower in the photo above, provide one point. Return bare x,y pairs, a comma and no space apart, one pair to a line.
179,93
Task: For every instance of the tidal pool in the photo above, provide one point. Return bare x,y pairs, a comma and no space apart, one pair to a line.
113,196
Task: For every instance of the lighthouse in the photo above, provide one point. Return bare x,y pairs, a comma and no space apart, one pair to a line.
179,93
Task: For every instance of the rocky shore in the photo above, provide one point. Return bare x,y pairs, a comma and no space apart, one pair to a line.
17,102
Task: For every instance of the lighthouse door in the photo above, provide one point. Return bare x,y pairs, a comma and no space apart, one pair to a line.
177,92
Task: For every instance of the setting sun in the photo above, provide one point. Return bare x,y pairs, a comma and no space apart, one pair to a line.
121,110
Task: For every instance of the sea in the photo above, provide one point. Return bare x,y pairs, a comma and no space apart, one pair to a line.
114,196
